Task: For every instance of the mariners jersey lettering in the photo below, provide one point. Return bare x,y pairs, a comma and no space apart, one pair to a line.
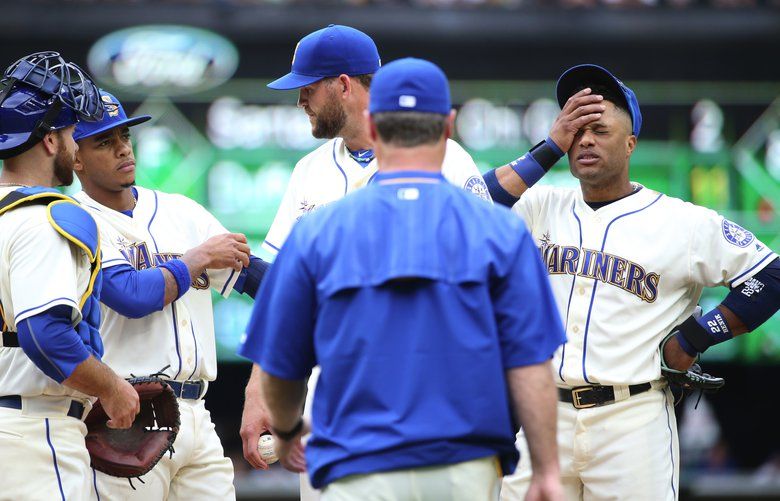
163,227
328,173
45,271
624,275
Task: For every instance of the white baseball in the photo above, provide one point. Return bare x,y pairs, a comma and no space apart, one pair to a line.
266,449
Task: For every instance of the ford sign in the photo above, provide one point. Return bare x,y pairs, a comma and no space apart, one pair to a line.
163,59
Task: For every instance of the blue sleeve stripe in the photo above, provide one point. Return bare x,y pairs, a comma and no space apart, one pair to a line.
54,460
94,482
43,353
269,244
751,269
68,300
227,282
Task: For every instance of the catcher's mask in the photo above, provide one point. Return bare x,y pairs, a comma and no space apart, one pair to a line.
41,93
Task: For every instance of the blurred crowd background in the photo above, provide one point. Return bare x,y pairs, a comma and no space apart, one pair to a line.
573,4
705,72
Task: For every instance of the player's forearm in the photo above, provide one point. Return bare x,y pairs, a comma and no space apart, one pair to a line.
93,377
534,402
253,393
178,279
283,400
743,310
507,184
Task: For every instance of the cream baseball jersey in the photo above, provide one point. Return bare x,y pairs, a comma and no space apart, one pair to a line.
624,275
328,173
163,226
40,269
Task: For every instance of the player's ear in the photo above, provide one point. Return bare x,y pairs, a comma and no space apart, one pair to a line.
345,85
371,126
78,165
51,142
631,144
449,126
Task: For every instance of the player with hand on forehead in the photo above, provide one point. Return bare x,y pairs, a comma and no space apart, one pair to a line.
627,266
162,255
50,350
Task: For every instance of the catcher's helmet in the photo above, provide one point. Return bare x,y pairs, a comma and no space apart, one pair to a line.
40,93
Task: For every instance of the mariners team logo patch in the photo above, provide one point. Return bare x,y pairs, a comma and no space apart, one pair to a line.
736,234
477,186
111,107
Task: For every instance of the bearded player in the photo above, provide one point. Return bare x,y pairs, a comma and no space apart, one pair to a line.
162,255
627,265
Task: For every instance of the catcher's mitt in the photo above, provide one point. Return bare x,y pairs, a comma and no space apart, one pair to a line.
134,451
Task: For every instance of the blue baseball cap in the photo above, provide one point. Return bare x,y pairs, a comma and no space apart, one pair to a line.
330,52
589,74
114,116
410,84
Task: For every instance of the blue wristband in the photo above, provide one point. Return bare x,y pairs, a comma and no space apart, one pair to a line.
535,164
686,346
181,273
716,326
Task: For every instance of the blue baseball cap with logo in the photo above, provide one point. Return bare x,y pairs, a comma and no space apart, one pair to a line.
330,52
575,77
114,116
410,84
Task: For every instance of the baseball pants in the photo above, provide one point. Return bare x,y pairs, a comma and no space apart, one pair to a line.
42,452
624,450
476,480
198,469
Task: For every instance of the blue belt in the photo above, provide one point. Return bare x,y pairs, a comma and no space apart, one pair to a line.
190,390
15,402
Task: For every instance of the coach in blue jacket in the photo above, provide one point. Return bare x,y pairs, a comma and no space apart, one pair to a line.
430,315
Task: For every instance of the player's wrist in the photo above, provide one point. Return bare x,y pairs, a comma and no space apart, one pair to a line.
532,166
696,335
287,435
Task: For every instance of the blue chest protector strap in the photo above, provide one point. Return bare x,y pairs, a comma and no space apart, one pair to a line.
74,224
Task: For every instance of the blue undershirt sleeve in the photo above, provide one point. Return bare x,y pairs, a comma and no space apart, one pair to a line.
248,281
131,292
758,298
51,342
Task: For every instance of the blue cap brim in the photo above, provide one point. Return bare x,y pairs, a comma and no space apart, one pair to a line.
293,81
129,122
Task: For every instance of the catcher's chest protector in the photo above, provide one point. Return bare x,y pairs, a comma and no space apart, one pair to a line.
74,224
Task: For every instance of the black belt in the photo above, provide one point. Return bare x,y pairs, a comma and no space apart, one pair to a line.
10,339
583,397
15,402
190,390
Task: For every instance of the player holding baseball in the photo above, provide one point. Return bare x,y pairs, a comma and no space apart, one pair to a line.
162,253
627,265
426,284
50,355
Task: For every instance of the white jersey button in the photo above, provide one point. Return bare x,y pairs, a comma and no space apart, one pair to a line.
575,329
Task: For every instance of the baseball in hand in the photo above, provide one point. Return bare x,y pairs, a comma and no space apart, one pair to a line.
266,448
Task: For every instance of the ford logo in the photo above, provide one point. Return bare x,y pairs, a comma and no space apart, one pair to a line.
163,59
